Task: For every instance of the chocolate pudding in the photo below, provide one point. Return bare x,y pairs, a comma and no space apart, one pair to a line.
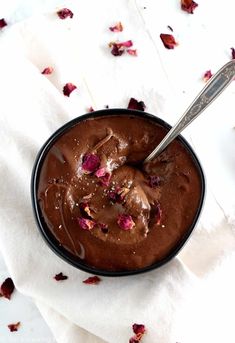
104,207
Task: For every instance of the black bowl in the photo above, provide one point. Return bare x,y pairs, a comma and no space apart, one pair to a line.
48,236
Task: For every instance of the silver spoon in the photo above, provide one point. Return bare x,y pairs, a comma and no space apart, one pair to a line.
209,93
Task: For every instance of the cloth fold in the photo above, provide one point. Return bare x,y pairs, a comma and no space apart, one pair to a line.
176,302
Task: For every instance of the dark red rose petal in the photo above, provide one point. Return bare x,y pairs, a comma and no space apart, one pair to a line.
92,280
86,224
117,50
47,71
118,194
14,327
136,105
103,227
138,328
90,163
132,52
104,176
85,210
7,288
125,222
117,28
188,6
233,53
154,181
168,40
60,277
3,23
65,13
207,75
69,88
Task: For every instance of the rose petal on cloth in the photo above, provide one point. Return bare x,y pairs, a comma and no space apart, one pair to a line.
116,28
3,23
47,71
86,224
207,75
168,40
91,109
92,280
116,50
138,328
65,13
136,105
188,6
125,222
132,52
60,277
91,163
14,327
69,88
104,176
7,288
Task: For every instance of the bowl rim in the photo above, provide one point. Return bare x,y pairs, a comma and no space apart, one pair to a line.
49,237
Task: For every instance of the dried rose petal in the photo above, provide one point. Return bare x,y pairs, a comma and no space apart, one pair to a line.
170,28
207,75
138,328
60,277
132,52
90,163
168,40
14,327
134,339
103,227
233,53
188,5
86,224
92,280
158,214
91,109
3,23
117,28
65,13
100,172
117,50
118,195
69,88
126,44
136,105
47,71
125,222
7,288
85,210
154,181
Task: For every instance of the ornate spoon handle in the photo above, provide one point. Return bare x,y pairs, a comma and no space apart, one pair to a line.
209,93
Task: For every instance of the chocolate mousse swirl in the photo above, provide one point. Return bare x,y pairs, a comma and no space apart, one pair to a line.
106,210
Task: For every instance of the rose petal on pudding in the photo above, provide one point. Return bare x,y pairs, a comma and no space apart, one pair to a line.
47,71
125,222
132,52
136,105
168,40
86,224
65,13
7,288
188,6
154,181
69,88
207,75
158,213
85,210
3,23
118,194
90,163
14,327
116,28
92,280
100,172
60,277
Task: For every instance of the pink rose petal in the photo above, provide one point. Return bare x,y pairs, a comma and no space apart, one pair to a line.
47,71
116,28
125,222
69,88
207,75
90,163
86,224
65,13
132,52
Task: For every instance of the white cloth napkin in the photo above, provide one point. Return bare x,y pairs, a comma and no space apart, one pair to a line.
190,299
